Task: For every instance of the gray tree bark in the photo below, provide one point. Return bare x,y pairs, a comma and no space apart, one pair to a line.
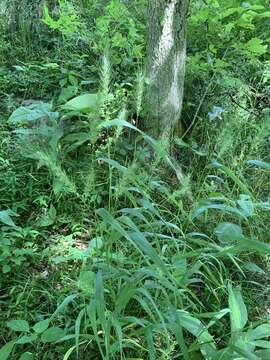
166,53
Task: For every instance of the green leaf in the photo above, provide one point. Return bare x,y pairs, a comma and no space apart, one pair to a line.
31,113
26,339
126,293
67,93
238,310
221,207
5,217
76,140
41,326
252,267
239,182
228,232
18,325
49,218
27,356
197,329
52,334
64,304
120,122
246,354
136,237
262,205
263,354
246,205
69,352
264,15
255,245
77,329
23,114
181,143
94,245
113,163
84,103
260,164
260,332
261,344
6,350
86,281
255,46
6,269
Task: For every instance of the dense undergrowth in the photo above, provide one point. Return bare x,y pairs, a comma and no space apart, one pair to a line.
103,253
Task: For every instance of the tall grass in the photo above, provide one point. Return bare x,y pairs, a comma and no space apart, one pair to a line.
109,257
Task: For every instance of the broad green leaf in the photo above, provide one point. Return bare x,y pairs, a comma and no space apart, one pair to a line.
217,316
5,217
31,113
18,325
263,354
23,114
245,353
41,326
119,122
197,329
52,334
245,21
80,137
27,339
221,207
6,350
6,269
228,232
51,65
256,46
224,354
84,103
260,332
27,356
246,205
76,140
49,218
67,93
261,344
238,311
94,245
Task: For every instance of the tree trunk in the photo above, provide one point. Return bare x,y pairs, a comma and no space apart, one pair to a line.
25,15
166,53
